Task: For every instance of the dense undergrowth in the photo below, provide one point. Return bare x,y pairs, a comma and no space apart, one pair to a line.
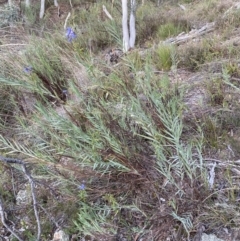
122,149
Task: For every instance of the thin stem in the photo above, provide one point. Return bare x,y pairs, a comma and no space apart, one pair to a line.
31,181
4,222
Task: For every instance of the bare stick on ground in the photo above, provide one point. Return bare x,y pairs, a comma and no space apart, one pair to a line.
5,224
182,38
31,181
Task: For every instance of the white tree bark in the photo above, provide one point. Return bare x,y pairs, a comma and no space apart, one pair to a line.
55,3
27,3
66,20
107,13
132,26
10,3
125,26
42,9
128,38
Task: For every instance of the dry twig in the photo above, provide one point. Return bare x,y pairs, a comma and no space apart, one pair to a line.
31,181
4,222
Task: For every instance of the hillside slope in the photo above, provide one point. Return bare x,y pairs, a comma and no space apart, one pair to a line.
110,146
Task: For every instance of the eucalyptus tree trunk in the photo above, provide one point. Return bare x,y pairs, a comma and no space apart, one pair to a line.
132,22
55,3
125,26
42,9
128,38
27,3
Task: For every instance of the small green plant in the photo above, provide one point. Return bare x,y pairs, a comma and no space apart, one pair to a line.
136,59
92,220
211,132
186,221
193,56
163,57
230,21
169,29
30,14
232,69
149,19
216,91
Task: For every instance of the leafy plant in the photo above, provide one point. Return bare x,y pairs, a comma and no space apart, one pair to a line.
215,89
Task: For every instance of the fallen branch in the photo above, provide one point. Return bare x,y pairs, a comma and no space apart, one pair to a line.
107,13
182,7
182,37
50,217
31,181
66,20
6,45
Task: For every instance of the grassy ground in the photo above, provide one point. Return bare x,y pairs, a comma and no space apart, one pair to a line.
140,147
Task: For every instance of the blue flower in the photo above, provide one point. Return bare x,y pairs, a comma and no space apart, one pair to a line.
82,187
70,34
28,69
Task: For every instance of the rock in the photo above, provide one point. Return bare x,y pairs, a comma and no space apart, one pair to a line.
24,197
60,235
210,237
